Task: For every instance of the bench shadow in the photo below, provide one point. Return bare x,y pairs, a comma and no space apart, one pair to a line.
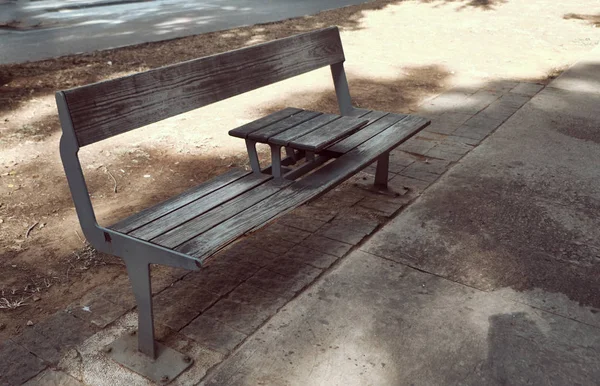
485,5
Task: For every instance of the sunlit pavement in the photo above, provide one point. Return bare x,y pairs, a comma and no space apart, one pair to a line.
48,28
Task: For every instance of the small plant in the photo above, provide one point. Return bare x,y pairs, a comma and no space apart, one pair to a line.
11,305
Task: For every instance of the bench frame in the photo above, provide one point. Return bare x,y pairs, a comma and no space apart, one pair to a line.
138,254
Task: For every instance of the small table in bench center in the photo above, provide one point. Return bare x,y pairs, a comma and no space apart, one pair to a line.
308,132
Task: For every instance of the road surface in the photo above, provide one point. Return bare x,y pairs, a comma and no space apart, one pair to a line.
52,28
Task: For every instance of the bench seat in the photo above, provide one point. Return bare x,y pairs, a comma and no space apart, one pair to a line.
201,221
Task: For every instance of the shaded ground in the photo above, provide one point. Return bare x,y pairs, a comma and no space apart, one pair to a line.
470,44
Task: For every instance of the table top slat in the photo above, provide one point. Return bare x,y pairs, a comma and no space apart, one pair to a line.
284,138
262,135
320,138
374,128
243,131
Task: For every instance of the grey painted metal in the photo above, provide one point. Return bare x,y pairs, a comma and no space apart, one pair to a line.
167,365
276,161
342,91
139,275
291,153
253,156
381,172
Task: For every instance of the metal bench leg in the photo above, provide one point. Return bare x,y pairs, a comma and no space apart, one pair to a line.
253,155
290,153
276,161
139,276
381,173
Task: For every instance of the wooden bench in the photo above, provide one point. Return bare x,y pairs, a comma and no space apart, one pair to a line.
185,230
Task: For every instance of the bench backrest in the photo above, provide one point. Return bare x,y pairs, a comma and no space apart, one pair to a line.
102,110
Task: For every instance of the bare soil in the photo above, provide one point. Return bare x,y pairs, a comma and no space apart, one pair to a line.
399,53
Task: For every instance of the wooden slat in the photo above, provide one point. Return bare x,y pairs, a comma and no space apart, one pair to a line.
243,131
263,134
198,207
203,223
283,139
108,108
318,139
147,215
302,191
366,133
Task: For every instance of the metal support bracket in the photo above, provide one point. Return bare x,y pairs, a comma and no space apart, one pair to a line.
167,366
253,155
381,173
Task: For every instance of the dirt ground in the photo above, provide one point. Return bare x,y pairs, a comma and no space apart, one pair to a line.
399,53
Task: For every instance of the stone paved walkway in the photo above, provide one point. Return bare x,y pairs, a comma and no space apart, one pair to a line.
209,313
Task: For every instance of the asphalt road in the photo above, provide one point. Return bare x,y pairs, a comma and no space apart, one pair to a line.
76,26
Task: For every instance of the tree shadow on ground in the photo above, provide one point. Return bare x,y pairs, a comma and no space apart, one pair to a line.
486,5
593,20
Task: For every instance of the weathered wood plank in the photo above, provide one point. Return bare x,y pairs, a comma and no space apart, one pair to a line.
149,214
243,131
283,139
302,191
263,134
108,108
320,138
196,208
214,217
363,135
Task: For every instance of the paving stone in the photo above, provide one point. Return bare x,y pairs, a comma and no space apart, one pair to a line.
438,153
453,146
98,310
502,86
293,268
284,286
435,166
120,292
386,208
246,253
65,329
50,377
399,160
342,197
479,101
449,100
17,365
482,122
528,89
242,317
270,242
178,305
303,223
213,334
326,245
448,122
43,347
356,222
473,132
254,296
221,277
420,175
416,186
287,233
310,256
315,213
417,146
454,139
342,233
501,110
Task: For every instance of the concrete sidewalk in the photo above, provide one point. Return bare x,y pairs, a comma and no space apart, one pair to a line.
521,211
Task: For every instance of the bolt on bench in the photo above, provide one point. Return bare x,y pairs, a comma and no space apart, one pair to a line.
184,231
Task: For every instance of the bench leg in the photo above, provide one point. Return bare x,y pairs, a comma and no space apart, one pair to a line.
276,161
139,276
290,153
253,155
381,173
